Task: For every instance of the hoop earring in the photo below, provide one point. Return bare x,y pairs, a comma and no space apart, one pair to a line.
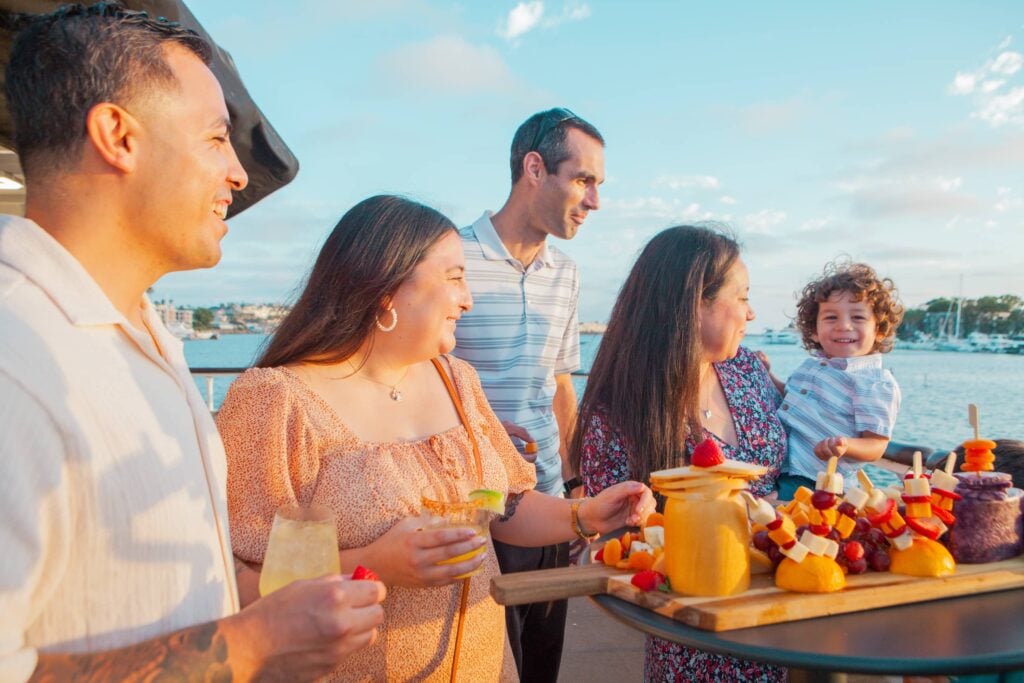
394,321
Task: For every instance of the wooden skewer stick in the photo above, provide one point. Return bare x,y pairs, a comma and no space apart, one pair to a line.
917,464
832,463
865,481
972,417
950,462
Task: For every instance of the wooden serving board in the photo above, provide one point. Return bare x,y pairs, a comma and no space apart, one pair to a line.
763,603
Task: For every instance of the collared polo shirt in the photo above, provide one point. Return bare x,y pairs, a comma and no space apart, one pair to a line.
522,331
113,506
828,397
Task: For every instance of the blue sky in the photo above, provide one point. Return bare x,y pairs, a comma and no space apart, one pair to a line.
889,132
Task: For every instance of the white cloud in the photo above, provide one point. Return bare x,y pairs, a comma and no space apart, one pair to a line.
992,86
527,16
764,221
523,18
815,224
449,64
984,84
726,199
963,84
773,116
657,209
874,197
1003,109
703,182
1007,63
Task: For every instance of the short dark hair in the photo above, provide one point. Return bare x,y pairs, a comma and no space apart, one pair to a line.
372,250
64,63
863,283
545,133
645,378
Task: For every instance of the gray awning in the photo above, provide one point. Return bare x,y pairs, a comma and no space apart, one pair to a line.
265,156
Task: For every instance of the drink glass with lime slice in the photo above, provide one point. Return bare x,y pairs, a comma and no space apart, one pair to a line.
451,505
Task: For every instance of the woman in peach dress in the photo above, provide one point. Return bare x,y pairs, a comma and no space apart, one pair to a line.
346,409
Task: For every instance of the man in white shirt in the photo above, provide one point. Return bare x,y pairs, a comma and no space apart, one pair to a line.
113,525
522,335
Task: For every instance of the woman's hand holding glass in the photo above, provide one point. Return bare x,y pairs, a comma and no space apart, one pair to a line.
409,554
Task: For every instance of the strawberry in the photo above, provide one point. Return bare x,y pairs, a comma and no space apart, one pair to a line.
599,557
925,527
853,551
647,580
361,573
707,454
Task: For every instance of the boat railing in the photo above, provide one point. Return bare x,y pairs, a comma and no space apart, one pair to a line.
899,453
209,374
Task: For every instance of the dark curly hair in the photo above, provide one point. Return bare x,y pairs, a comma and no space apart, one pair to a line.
860,280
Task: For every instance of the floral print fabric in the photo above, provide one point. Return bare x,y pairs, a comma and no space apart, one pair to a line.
753,401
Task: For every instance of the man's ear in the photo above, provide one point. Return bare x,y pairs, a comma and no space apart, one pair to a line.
113,134
533,167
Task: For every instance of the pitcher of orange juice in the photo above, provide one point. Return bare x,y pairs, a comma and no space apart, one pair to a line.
707,539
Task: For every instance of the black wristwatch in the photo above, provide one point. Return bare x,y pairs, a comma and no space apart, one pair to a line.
571,484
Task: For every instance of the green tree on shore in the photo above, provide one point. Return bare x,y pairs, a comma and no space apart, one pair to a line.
202,319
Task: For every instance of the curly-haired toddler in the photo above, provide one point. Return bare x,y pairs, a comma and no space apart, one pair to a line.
841,401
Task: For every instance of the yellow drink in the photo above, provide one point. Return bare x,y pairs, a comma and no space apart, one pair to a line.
303,544
444,510
706,544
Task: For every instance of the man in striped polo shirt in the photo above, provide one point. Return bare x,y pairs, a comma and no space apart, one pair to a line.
522,335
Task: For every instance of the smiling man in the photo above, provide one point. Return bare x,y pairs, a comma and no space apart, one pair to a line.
113,520
522,335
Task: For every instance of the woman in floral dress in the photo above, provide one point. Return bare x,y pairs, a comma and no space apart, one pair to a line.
670,372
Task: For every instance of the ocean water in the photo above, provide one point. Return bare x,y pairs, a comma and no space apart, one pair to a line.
937,386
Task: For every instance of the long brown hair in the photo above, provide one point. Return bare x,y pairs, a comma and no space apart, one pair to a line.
645,379
371,251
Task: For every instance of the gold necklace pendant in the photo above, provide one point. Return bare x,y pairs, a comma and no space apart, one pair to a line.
395,394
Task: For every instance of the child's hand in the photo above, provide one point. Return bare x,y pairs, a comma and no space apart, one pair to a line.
832,446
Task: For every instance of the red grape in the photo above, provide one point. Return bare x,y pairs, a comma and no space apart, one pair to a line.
876,538
880,561
858,566
823,500
762,541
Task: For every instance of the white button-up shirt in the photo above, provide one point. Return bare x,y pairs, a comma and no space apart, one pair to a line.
113,520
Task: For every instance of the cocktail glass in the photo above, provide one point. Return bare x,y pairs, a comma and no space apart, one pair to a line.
303,544
449,506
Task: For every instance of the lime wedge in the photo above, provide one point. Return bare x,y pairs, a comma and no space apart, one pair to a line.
493,501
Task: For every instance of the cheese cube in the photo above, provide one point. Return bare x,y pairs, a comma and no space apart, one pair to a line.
856,497
917,486
943,481
797,553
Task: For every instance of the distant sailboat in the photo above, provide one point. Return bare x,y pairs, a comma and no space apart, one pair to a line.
784,335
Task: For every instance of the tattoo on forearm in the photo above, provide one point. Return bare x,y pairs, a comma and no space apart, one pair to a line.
199,653
510,506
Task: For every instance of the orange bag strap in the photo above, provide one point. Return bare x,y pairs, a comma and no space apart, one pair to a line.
462,416
464,598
